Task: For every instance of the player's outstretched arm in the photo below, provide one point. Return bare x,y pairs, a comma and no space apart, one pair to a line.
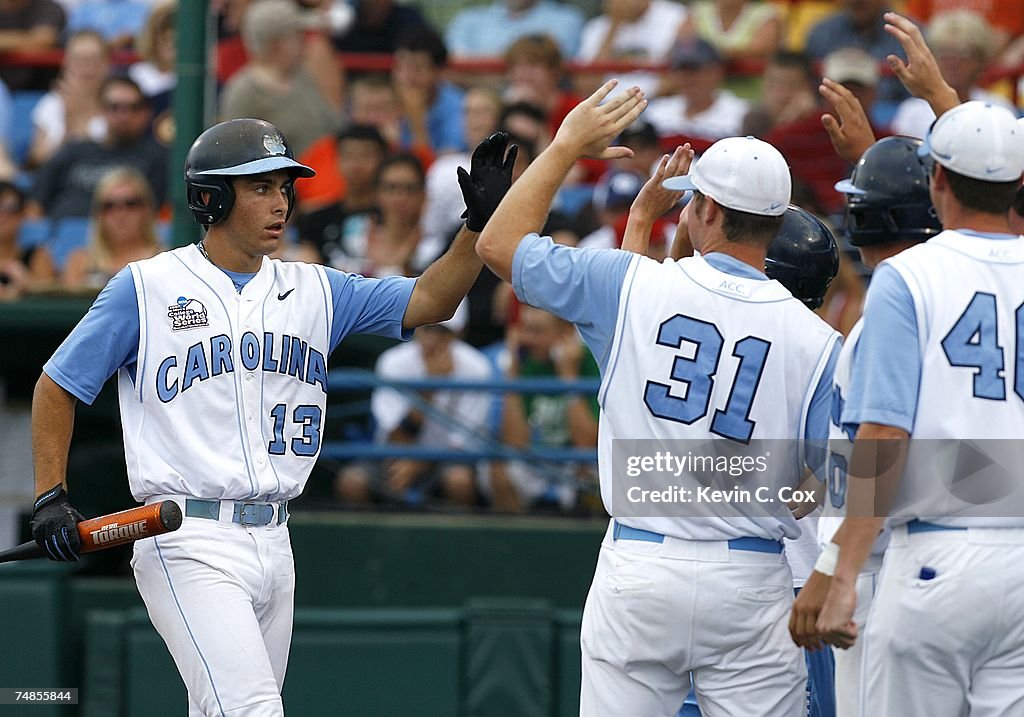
586,132
920,74
876,467
654,201
445,282
54,521
849,129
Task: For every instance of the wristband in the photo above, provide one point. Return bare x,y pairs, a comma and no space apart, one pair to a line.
827,561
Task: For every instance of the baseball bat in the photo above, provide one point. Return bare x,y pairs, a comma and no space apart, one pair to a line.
111,530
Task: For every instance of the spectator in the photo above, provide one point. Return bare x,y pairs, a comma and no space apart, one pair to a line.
65,185
71,112
327,231
858,72
377,26
123,229
543,345
273,86
643,140
442,419
613,195
859,24
805,142
1004,16
442,214
787,93
373,100
963,43
155,73
633,31
488,31
19,269
432,107
739,29
8,170
25,26
387,243
534,75
529,122
702,111
116,21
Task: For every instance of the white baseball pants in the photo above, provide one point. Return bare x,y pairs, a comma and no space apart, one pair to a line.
222,596
657,611
948,641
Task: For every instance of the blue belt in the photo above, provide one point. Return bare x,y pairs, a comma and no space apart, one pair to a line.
757,545
245,512
921,526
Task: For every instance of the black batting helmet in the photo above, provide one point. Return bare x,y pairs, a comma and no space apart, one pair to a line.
887,196
234,148
803,257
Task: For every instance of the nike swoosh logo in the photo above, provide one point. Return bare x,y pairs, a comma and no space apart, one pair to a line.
282,297
940,155
993,170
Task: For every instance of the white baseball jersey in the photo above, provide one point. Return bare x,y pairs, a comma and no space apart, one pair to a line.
699,353
840,449
230,387
969,303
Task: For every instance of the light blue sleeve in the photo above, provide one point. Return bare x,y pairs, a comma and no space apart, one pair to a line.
106,339
570,30
818,415
886,375
368,306
578,285
458,38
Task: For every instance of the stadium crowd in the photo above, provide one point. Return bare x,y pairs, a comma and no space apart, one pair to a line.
84,155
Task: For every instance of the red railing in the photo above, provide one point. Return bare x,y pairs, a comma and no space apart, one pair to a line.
382,62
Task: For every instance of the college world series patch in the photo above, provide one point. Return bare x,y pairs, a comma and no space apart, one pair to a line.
187,314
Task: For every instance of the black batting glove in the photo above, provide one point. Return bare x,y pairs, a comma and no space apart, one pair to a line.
488,178
55,525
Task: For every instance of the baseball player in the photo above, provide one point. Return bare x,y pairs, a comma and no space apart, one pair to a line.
221,355
804,258
700,348
939,357
888,209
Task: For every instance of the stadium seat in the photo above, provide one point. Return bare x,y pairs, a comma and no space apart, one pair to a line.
33,232
23,102
69,234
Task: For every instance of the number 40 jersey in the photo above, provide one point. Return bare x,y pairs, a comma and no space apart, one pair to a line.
231,386
703,354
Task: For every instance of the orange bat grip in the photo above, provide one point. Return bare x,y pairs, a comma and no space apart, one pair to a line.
128,526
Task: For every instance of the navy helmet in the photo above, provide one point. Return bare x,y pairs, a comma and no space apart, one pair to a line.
235,148
887,197
803,257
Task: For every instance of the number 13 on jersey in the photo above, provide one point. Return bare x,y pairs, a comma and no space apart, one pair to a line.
698,375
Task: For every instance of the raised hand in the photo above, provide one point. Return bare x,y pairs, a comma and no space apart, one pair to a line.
654,201
920,73
488,179
591,126
849,129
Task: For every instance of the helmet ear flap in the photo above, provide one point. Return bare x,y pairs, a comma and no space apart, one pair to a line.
217,207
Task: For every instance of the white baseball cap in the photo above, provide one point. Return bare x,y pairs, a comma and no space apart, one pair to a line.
978,140
741,173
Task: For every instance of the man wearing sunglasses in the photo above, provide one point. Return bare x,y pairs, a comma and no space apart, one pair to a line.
65,184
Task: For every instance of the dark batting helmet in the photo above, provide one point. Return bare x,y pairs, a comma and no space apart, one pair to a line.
887,196
803,257
235,148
